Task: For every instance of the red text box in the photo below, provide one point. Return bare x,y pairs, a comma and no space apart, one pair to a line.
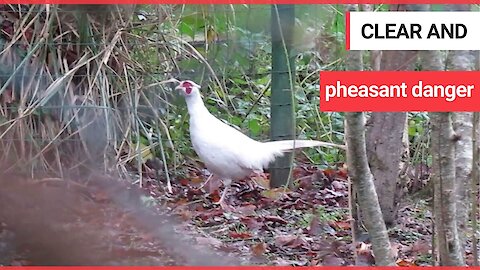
399,91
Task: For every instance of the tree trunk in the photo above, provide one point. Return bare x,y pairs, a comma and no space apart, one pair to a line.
443,177
385,151
388,153
462,124
463,171
475,186
362,178
354,61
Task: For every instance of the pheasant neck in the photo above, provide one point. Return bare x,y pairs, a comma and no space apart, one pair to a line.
196,106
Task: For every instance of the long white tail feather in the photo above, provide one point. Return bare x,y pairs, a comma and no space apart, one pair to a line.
289,145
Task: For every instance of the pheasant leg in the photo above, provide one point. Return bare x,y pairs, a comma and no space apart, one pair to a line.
223,204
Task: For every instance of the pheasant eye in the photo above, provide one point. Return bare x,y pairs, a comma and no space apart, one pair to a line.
187,84
188,87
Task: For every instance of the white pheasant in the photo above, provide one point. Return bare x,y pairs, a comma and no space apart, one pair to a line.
227,153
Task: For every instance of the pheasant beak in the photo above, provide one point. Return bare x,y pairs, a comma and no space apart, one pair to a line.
186,87
180,88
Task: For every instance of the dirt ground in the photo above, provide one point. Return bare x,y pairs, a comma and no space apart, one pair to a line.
103,221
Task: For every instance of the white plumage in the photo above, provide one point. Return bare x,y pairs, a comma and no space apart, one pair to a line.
227,153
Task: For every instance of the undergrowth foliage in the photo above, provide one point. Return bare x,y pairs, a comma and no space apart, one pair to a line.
73,92
87,86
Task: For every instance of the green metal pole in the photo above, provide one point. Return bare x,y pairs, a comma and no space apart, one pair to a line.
283,78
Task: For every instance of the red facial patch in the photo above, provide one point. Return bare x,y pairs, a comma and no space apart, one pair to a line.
188,87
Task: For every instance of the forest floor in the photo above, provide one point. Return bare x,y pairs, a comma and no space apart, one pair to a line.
104,222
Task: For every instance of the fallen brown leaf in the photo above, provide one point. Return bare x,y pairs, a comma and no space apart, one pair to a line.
259,249
405,262
276,219
247,210
240,235
184,181
292,241
215,195
251,223
210,214
305,182
262,181
196,180
274,193
365,254
343,225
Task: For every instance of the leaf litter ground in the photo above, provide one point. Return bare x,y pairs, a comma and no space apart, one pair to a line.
308,225
104,222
